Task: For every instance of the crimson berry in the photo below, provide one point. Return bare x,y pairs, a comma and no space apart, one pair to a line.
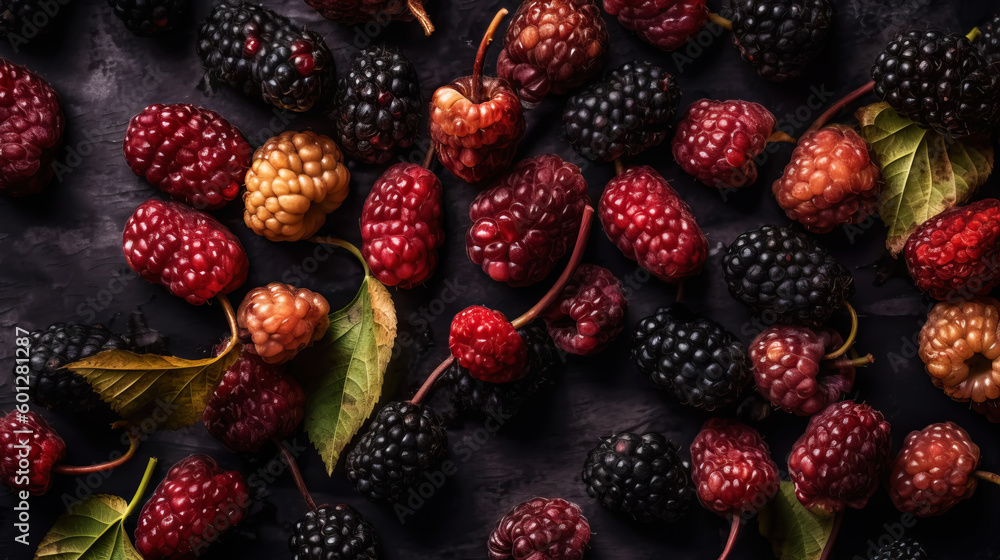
485,343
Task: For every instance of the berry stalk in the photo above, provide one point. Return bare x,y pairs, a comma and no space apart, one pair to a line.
108,465
619,166
851,337
296,473
840,104
147,477
830,542
343,245
733,532
720,21
417,9
428,158
779,136
988,477
477,69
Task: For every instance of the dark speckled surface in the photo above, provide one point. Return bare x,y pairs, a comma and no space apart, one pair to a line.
61,260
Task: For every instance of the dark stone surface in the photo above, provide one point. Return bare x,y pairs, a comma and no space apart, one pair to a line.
62,260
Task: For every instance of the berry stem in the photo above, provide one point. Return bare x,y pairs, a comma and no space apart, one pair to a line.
133,445
477,69
556,289
296,473
780,136
720,21
830,542
147,476
428,158
619,166
851,337
417,9
973,35
344,245
733,532
988,476
840,104
856,362
429,382
231,319
680,292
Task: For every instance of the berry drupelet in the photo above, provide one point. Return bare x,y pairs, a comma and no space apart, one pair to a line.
589,313
732,468
541,529
31,130
484,342
781,37
666,24
277,321
333,533
934,471
28,433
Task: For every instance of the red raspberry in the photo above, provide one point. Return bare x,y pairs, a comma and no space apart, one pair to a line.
830,181
190,153
31,129
552,46
667,24
589,313
485,343
732,468
650,223
526,222
401,225
790,372
254,402
186,250
541,529
957,252
934,470
716,141
192,507
278,320
27,432
837,462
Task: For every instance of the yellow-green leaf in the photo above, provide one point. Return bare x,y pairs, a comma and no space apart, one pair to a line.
925,172
795,532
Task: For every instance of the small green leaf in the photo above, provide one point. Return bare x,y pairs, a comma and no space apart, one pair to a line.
343,372
795,532
94,528
925,172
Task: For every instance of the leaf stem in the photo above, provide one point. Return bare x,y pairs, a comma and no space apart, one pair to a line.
830,542
556,289
417,9
974,34
843,102
851,337
429,382
107,465
988,476
733,532
856,362
344,245
296,473
429,157
720,21
477,68
147,476
619,166
780,136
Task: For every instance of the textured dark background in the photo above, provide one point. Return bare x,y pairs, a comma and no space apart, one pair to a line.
62,261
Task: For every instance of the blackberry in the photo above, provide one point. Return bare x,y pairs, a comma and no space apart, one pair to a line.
989,42
626,113
265,55
403,441
692,356
780,37
786,276
333,533
59,389
378,105
482,399
148,17
903,549
938,79
639,476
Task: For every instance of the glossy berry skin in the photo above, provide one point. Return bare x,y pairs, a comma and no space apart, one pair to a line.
903,549
989,42
190,153
790,372
717,141
830,181
528,220
149,17
780,38
934,471
838,461
402,225
651,224
552,46
254,402
639,476
475,139
31,129
590,311
623,115
666,24
541,529
960,346
732,468
187,251
191,508
45,449
333,533
484,342
957,253
278,320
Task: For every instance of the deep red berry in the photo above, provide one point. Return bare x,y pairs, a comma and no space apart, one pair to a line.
838,461
541,529
485,343
732,468
957,253
526,222
254,402
789,369
31,128
589,313
29,448
401,225
934,470
650,223
190,153
552,46
192,507
717,141
187,251
667,24
831,180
